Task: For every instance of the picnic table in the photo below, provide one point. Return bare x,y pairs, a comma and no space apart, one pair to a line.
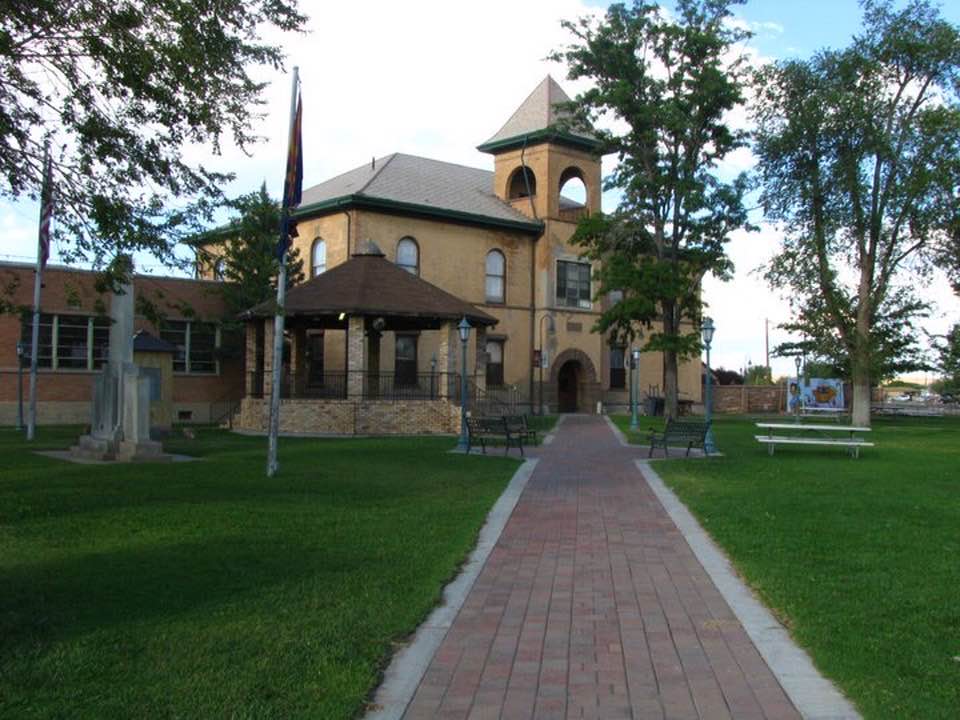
815,434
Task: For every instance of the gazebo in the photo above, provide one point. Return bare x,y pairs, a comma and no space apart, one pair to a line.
343,389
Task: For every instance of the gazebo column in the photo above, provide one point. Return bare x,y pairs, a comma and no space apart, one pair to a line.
481,359
447,358
298,360
250,338
356,356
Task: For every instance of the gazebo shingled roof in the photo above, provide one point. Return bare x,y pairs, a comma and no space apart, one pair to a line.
369,284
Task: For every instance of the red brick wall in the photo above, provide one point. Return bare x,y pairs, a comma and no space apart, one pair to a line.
72,291
748,398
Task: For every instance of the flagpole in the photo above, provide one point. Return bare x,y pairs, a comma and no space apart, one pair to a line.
37,284
272,464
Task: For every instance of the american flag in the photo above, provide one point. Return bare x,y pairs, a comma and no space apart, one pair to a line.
46,210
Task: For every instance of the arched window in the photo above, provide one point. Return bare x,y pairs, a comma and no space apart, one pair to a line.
408,255
523,183
218,269
318,257
496,277
573,194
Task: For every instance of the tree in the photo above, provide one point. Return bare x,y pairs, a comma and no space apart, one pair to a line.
672,82
949,360
758,375
119,90
727,377
859,156
249,261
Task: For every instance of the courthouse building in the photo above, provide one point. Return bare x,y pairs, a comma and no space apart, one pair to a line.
497,240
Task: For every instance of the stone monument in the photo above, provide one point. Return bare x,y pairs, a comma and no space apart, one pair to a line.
120,412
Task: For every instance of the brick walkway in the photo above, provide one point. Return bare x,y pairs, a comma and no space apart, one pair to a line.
592,605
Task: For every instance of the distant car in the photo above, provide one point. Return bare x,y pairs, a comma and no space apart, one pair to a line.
948,398
903,397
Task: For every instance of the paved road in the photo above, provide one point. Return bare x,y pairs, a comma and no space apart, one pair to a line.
592,605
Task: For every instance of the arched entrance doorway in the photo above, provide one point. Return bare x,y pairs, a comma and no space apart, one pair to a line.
568,383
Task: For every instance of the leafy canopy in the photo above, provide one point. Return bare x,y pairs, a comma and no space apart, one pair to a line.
859,158
672,80
122,91
248,263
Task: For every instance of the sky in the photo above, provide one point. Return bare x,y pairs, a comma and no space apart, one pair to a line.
436,78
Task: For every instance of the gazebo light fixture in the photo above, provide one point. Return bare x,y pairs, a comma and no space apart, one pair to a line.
343,316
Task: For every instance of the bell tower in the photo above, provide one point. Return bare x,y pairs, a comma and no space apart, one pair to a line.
534,159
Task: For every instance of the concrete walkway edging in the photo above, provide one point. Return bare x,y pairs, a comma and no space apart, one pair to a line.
815,697
407,667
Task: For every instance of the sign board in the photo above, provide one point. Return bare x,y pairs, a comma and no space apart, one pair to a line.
815,393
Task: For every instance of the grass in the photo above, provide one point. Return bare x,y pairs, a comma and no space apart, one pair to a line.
859,558
202,589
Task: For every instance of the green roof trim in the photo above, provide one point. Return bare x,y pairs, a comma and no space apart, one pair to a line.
547,135
403,208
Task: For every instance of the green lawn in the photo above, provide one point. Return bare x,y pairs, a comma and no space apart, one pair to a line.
205,590
859,558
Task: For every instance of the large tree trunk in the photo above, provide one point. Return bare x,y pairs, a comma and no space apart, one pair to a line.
860,412
670,384
670,389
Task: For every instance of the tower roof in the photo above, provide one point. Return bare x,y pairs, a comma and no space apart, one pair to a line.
537,120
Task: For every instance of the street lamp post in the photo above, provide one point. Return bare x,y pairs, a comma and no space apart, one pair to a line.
464,330
551,329
796,402
709,446
21,351
634,364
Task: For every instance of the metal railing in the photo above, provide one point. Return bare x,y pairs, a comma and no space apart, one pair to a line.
359,385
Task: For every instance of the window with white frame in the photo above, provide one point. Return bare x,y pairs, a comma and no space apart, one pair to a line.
494,363
573,284
318,257
68,342
496,277
408,255
196,344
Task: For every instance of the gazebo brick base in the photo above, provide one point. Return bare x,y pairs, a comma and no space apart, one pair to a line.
353,417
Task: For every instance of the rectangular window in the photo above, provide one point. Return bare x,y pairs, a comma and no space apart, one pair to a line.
618,373
101,341
68,342
494,363
203,348
72,333
196,344
405,361
573,284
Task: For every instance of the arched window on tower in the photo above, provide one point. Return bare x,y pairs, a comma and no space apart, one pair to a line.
218,267
318,257
523,183
573,194
496,279
408,255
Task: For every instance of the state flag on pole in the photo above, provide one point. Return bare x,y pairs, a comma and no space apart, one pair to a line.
46,210
292,184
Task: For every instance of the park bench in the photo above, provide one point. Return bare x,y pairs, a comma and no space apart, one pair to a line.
678,433
517,425
479,429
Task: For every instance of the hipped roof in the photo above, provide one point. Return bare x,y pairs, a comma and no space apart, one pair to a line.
369,284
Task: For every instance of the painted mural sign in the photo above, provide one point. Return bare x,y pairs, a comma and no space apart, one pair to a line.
815,393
